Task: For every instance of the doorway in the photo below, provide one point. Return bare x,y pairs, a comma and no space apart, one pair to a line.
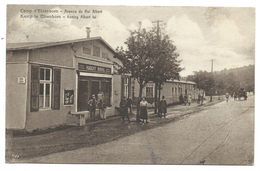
83,95
94,88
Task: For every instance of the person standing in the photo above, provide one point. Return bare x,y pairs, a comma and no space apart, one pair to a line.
143,110
100,96
124,109
138,109
163,107
227,96
185,99
198,99
129,105
181,98
92,106
102,107
189,99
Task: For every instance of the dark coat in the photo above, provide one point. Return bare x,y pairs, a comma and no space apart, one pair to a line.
163,106
123,107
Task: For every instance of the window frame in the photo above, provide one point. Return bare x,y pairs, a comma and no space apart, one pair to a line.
152,92
95,48
44,82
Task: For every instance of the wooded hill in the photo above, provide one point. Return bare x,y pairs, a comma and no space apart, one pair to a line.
245,76
225,81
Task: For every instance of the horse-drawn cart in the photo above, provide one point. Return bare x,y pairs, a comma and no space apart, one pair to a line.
239,94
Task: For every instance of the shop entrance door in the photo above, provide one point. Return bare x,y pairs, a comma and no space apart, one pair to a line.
83,95
94,88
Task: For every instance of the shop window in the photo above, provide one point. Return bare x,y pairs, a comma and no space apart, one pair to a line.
104,55
96,51
149,91
87,50
45,88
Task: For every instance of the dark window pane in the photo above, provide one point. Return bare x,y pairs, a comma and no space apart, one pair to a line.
96,51
87,50
42,74
104,55
47,89
41,89
48,74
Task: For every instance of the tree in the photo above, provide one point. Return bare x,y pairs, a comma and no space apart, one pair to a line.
204,80
136,59
149,57
165,65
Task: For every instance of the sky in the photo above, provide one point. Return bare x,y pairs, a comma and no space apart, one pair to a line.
225,34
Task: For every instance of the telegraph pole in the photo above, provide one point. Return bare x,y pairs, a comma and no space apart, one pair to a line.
212,60
156,82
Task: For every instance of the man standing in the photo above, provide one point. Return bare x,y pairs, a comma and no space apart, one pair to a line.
227,96
129,104
124,109
92,106
198,99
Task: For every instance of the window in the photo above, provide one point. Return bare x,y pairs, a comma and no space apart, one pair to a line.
87,50
104,55
45,88
96,51
126,87
149,91
172,91
176,91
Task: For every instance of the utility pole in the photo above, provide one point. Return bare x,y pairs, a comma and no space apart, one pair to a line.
156,81
212,60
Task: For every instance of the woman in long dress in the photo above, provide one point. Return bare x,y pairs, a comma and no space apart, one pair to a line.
143,110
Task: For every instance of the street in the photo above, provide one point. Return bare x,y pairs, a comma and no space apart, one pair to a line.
222,134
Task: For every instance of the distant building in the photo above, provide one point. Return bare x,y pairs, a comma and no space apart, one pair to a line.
171,89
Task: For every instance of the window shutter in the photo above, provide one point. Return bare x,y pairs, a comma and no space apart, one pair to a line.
56,89
35,88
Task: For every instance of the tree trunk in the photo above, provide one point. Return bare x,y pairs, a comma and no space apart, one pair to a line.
140,91
202,97
159,98
155,98
138,105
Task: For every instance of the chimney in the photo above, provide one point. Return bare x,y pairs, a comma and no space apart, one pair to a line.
88,31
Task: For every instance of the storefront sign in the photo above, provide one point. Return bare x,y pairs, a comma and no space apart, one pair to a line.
94,69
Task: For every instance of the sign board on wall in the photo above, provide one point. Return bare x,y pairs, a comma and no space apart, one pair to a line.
21,80
93,68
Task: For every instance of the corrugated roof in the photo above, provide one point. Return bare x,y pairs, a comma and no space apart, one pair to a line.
36,45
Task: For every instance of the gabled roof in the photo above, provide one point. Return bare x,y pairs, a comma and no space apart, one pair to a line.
36,45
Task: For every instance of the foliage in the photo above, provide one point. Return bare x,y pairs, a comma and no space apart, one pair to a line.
148,57
227,80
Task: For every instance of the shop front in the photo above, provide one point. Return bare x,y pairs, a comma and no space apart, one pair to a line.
93,80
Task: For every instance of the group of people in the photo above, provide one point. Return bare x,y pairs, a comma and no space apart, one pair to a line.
99,103
142,104
185,99
125,105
